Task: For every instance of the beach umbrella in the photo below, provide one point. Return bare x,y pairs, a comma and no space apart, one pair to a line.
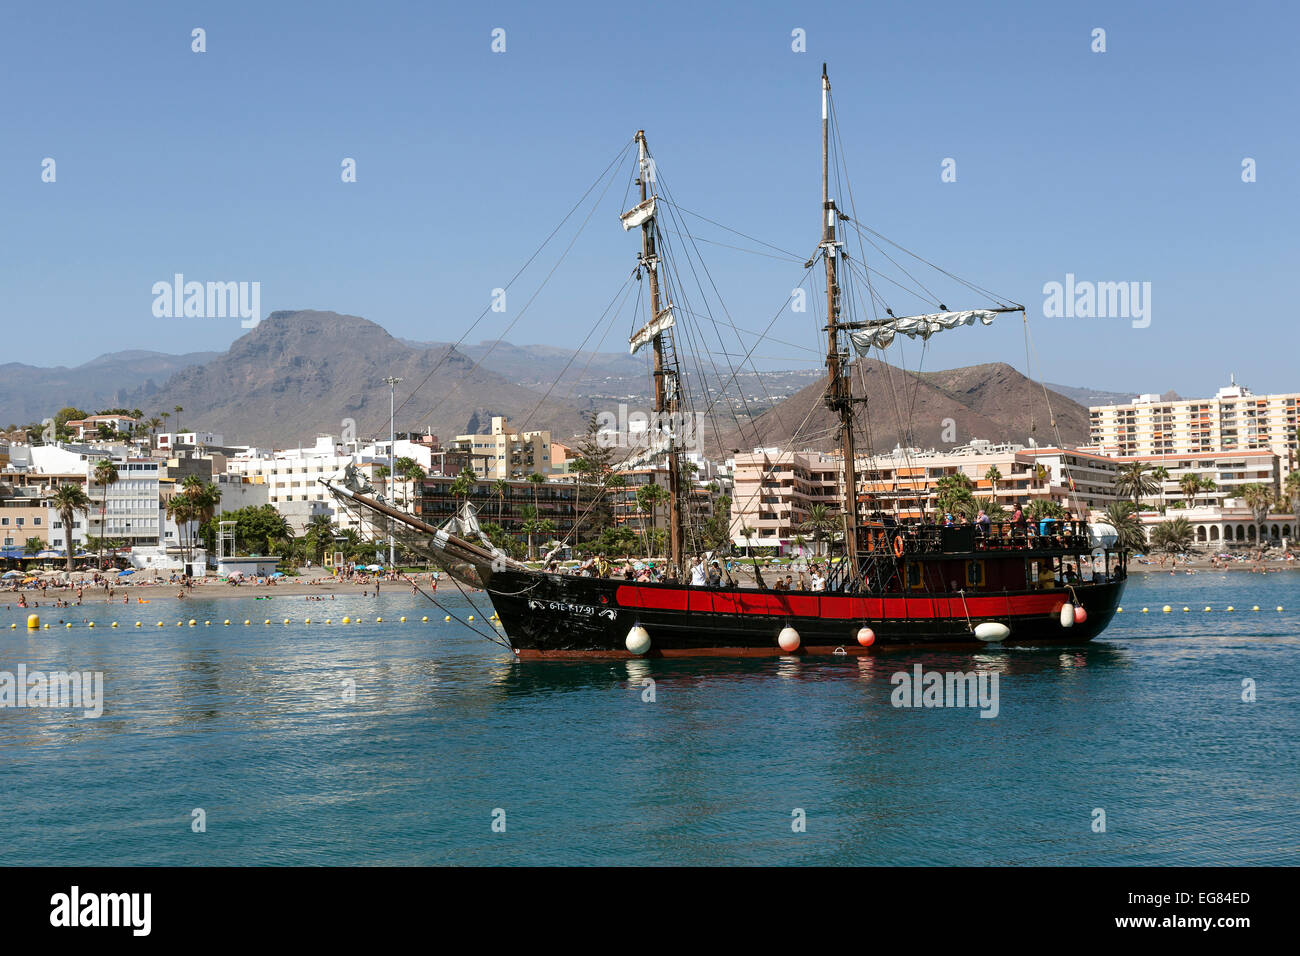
375,567
11,574
278,574
122,574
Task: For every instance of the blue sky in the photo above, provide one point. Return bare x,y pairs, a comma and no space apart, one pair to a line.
225,165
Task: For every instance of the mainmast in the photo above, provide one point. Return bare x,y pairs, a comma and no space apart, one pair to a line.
665,365
839,388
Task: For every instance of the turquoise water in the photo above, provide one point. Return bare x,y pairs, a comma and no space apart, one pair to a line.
252,725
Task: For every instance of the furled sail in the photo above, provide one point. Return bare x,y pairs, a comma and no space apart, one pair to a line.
638,214
660,323
880,335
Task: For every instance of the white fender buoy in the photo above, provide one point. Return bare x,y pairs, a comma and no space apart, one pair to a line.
866,636
788,639
1067,614
638,640
1080,615
992,632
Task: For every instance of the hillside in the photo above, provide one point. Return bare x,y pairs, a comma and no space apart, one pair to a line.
992,401
301,373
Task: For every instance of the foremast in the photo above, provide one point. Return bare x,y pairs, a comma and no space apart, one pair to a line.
839,386
658,332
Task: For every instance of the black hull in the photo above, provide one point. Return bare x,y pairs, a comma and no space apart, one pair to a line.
546,615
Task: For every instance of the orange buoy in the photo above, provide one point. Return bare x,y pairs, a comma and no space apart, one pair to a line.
788,640
866,636
1080,615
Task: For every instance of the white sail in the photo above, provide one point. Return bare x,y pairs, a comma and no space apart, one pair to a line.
915,326
660,323
638,214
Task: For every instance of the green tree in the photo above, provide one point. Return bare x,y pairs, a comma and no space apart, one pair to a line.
648,497
954,493
1160,474
501,488
33,546
69,500
993,476
1123,517
1173,537
105,474
822,522
1135,481
1259,499
1189,485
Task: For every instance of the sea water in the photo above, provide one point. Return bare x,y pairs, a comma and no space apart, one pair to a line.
1172,739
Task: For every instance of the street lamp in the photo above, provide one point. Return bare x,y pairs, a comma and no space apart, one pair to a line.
392,443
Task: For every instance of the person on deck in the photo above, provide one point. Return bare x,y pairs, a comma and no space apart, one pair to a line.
983,521
698,576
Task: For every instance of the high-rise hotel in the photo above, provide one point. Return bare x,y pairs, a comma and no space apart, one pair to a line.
1234,420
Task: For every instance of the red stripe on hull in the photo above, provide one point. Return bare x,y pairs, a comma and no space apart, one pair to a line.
837,608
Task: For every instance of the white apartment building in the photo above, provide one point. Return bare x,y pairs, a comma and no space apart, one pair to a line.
1234,420
505,453
133,512
773,491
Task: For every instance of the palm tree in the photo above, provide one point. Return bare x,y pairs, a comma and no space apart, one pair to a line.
800,542
178,417
409,470
1209,487
463,485
1291,491
1189,485
647,499
952,492
33,546
1259,499
1122,516
530,526
67,500
993,476
1135,480
319,533
105,475
1173,537
154,424
500,488
536,479
822,521
1161,474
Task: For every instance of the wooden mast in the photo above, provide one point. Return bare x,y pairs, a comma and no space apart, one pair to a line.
665,377
839,389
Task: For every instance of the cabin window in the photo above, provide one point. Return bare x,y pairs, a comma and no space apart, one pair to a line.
975,574
914,576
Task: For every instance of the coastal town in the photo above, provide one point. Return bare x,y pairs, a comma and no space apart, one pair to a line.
1214,480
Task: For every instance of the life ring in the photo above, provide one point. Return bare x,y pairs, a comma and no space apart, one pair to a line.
898,545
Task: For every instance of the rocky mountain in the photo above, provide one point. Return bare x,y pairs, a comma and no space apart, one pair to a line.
927,410
298,374
29,394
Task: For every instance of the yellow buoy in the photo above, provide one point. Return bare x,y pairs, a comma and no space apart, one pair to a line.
471,617
1119,610
403,620
1279,607
425,619
379,620
447,618
246,623
1228,608
114,624
137,624
308,621
91,624
1166,609
1255,608
226,623
33,621
12,626
286,620
1207,608
69,624
347,620
1144,610
160,623
267,621
192,622
1187,609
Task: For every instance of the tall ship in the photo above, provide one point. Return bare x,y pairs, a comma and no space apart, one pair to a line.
893,580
